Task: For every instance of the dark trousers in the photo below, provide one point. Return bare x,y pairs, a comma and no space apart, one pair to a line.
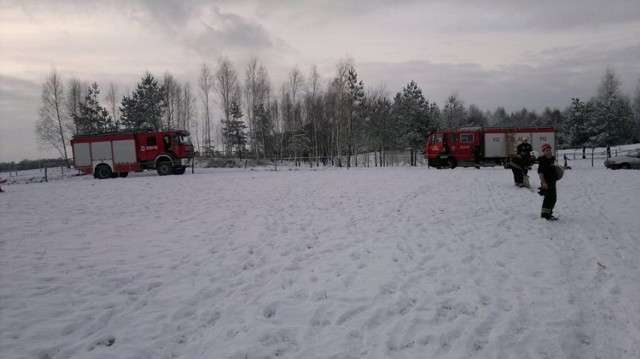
549,199
518,175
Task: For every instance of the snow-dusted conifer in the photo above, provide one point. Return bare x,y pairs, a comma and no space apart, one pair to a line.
414,117
92,117
145,107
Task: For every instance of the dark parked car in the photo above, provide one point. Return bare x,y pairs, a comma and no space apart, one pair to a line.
630,160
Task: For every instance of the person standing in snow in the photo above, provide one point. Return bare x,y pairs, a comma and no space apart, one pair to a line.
477,155
524,150
519,170
547,174
521,163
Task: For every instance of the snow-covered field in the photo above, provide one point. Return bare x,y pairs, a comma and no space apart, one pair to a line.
331,263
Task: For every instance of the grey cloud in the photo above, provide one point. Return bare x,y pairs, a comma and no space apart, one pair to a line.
555,15
204,27
564,74
224,31
541,14
19,103
550,14
15,93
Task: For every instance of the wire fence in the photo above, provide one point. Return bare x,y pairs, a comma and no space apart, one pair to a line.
393,159
58,167
601,154
13,167
38,175
592,154
45,167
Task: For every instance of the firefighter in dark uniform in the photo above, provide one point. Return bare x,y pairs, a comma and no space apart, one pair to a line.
547,174
477,155
521,163
519,170
524,150
444,156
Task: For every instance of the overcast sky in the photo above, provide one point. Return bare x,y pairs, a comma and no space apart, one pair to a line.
513,54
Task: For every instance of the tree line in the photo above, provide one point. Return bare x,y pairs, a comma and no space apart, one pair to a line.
307,118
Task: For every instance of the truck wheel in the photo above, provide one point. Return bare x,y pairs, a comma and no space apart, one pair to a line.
123,174
180,170
164,168
102,172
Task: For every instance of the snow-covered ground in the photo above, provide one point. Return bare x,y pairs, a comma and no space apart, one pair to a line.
393,262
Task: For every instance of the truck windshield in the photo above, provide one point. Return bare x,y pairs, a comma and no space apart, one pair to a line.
184,139
435,139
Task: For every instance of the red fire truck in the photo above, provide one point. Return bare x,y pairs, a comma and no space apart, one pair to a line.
492,145
109,155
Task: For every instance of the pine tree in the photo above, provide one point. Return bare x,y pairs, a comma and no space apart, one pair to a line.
413,116
356,111
145,107
92,117
576,130
235,129
614,119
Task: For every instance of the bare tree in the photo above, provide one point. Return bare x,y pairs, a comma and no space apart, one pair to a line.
256,89
113,104
77,90
172,100
227,87
314,106
295,120
296,83
205,84
283,106
50,127
636,110
337,98
251,93
187,108
263,99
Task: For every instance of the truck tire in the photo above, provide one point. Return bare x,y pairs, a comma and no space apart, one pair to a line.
164,168
179,170
123,174
102,172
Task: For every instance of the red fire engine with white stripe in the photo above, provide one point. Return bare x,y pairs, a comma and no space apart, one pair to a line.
492,145
109,155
